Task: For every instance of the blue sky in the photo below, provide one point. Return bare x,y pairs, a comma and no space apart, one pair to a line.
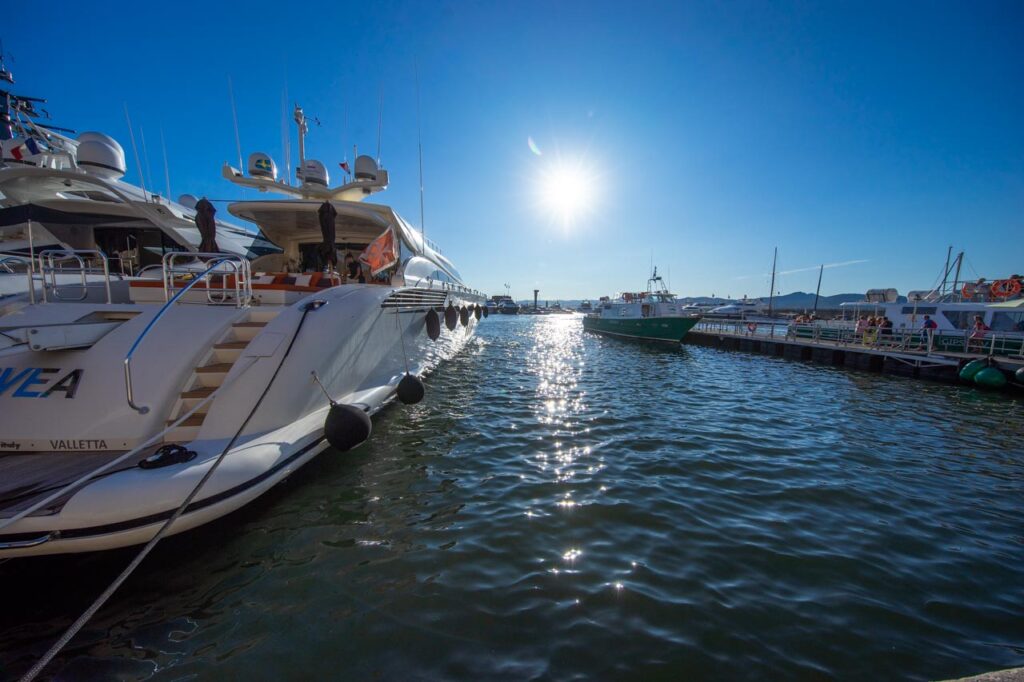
867,135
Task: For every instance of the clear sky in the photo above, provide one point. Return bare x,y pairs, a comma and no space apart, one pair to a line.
869,136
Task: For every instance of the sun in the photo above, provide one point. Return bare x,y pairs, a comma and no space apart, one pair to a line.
567,191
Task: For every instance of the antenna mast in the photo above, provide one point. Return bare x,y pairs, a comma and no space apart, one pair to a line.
135,150
419,144
300,120
167,169
380,120
771,294
234,117
145,156
286,140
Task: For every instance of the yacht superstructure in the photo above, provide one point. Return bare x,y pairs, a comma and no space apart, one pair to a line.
59,192
222,375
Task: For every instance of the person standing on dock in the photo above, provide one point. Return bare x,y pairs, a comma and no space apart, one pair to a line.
929,326
978,335
861,328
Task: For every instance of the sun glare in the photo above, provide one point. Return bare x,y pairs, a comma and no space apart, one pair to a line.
567,191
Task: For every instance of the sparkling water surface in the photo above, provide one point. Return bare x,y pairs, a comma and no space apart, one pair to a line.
567,506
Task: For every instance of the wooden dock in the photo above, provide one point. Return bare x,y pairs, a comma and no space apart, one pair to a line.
897,356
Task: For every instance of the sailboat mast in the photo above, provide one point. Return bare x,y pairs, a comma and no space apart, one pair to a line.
771,294
817,292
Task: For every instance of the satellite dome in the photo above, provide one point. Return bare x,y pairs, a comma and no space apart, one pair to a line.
313,173
188,200
101,155
366,168
262,166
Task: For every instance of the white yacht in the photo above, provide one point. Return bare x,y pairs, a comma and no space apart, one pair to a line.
196,392
740,308
59,192
952,310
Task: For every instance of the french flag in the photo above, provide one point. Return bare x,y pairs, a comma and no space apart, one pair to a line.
30,148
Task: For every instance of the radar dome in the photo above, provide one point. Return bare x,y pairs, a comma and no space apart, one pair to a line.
101,155
188,200
314,173
262,166
366,168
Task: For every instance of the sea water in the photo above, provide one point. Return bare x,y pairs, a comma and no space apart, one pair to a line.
567,506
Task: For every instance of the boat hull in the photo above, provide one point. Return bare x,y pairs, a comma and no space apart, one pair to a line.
359,343
665,329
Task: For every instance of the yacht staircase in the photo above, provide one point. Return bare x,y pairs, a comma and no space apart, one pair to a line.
211,371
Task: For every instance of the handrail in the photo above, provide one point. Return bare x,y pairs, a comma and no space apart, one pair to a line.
47,265
240,269
152,323
27,262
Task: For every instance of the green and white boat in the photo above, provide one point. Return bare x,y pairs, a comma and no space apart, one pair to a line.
652,315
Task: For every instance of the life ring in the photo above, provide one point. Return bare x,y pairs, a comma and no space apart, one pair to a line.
969,289
1005,288
751,327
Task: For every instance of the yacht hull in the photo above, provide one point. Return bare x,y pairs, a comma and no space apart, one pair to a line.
359,342
667,329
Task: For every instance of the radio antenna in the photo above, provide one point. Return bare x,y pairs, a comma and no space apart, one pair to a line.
344,139
234,117
135,150
145,157
419,144
380,119
286,140
167,169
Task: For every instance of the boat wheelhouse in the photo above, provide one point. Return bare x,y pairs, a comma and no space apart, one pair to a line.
653,315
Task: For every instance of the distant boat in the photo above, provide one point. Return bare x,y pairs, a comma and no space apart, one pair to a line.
585,307
503,304
739,308
653,315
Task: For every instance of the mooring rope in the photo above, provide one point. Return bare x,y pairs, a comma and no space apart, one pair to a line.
85,478
144,552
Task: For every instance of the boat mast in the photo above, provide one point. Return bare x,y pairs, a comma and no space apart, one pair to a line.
817,292
771,294
956,277
945,273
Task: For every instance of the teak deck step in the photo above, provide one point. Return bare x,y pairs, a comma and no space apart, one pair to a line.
199,392
216,368
193,420
231,345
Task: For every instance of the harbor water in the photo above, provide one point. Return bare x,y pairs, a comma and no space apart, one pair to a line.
568,506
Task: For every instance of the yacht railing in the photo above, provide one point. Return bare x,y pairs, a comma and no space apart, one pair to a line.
965,341
51,264
235,285
211,267
27,262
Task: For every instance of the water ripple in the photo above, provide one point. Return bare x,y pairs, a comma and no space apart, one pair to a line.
566,506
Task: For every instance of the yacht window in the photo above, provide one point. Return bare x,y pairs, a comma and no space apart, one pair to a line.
962,319
921,310
1007,322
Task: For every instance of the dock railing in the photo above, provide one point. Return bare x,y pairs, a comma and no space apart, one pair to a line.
965,341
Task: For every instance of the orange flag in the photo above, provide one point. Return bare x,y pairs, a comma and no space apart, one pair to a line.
382,252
